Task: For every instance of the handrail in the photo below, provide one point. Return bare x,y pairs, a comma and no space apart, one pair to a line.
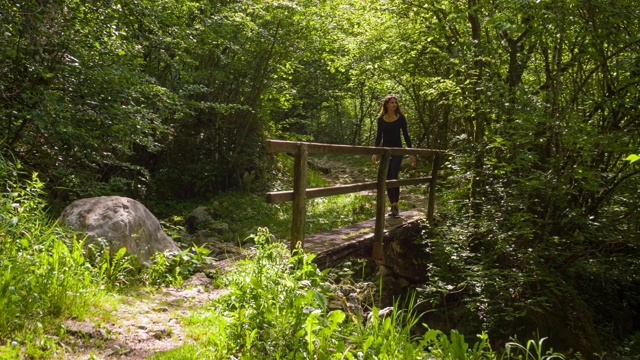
321,148
287,195
300,193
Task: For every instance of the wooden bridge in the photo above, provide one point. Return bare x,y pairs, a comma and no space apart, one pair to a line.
361,240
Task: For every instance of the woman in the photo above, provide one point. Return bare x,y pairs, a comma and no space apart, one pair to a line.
390,123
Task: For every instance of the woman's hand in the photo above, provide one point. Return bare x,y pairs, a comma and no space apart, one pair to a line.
374,158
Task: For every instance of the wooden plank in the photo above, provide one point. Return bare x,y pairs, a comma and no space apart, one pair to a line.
319,148
381,194
432,187
287,195
405,182
356,240
299,207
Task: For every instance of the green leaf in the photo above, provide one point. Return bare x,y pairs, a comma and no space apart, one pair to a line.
337,316
633,158
321,299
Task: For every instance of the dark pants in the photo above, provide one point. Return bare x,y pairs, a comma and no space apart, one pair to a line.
392,174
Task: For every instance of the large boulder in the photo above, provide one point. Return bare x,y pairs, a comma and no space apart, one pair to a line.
121,222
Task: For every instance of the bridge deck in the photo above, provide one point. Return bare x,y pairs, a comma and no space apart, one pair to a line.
353,241
356,241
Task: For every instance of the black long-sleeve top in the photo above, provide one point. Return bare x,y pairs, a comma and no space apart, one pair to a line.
388,134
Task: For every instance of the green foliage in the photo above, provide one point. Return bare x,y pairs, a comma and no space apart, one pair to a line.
172,226
116,269
277,306
175,268
119,270
44,275
628,349
88,105
228,95
389,334
531,351
455,347
270,301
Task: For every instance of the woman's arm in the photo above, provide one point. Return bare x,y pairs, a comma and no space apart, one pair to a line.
405,132
378,132
407,140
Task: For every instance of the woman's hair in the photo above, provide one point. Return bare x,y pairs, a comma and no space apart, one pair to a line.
388,98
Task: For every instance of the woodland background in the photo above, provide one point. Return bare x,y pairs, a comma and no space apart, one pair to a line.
536,102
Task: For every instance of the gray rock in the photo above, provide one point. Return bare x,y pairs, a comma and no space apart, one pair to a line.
219,227
201,218
121,222
203,237
222,250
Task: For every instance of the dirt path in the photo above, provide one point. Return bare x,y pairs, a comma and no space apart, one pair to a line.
139,325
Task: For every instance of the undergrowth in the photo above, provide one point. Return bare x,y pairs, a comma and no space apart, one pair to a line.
43,273
277,307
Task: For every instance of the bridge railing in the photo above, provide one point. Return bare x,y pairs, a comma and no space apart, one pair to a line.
300,193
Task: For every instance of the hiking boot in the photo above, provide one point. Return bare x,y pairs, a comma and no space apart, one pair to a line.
394,211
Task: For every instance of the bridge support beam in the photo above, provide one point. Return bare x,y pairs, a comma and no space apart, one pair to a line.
432,187
381,201
299,210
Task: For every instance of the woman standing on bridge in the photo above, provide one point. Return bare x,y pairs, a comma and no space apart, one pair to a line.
390,123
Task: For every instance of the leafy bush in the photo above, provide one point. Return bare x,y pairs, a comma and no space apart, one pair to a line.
174,269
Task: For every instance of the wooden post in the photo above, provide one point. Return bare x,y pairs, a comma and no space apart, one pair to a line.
432,187
299,208
381,200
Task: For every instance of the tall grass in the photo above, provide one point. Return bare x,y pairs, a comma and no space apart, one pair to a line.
43,272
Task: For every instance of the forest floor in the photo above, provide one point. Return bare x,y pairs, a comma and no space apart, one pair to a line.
137,325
